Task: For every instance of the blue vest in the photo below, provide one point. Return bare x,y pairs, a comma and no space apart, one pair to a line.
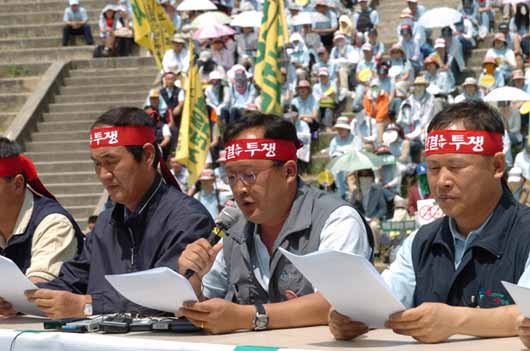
498,253
19,247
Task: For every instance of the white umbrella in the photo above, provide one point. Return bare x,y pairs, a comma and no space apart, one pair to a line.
196,5
507,94
513,2
209,18
247,19
439,17
309,18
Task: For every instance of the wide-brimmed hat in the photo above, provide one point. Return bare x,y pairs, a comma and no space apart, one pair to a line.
515,175
207,174
518,74
343,122
469,81
397,47
489,59
323,71
439,43
178,38
154,93
500,36
215,75
303,84
420,81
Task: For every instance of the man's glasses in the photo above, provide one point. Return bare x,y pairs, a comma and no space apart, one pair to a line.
247,177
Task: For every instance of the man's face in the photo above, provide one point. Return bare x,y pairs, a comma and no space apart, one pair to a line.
10,189
364,5
367,55
169,80
461,183
470,90
519,83
175,166
121,174
431,67
155,101
178,47
74,8
323,79
323,56
498,44
412,5
303,92
217,45
259,201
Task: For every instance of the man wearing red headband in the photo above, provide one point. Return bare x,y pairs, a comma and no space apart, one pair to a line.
448,274
250,284
36,232
149,226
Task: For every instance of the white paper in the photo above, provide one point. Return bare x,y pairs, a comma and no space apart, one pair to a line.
13,285
350,283
428,211
521,296
161,289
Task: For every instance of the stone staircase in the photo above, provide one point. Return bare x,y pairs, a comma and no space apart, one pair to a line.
31,38
59,146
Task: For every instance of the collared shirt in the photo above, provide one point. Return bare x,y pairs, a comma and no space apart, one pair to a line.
343,231
305,107
78,16
176,62
53,241
210,201
400,276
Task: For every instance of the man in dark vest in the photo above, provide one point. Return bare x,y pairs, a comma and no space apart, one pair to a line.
249,284
36,232
149,226
449,273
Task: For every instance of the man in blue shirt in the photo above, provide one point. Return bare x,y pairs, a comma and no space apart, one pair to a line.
76,23
455,264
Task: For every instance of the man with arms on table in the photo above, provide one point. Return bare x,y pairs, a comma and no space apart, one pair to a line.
448,274
149,226
247,282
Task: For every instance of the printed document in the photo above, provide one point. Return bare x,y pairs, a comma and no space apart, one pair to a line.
13,287
521,296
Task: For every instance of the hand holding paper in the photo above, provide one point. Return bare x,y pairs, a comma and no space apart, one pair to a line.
13,292
160,289
350,283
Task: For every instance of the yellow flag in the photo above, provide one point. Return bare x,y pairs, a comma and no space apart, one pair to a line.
194,134
272,36
152,28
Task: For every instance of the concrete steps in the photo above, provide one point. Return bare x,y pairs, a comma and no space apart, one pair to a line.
102,97
91,106
69,177
47,6
109,80
12,102
61,135
66,126
19,84
41,17
47,54
40,30
43,156
88,187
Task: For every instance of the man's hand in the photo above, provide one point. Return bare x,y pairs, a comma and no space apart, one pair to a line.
344,328
6,310
219,316
199,257
58,304
523,329
428,323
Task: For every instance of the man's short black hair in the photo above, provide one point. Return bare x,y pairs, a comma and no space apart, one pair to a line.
92,219
9,148
274,128
475,115
129,116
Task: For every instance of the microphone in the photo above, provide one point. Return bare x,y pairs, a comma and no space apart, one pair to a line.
225,219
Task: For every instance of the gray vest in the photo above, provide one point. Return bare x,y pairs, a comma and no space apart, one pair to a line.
300,235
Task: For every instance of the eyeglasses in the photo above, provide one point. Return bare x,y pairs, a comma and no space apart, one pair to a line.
247,177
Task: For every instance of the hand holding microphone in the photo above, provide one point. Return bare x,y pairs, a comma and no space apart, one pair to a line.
198,257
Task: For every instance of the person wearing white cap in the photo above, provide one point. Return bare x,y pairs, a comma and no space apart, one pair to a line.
217,94
443,80
343,55
418,32
326,29
75,20
306,103
339,145
411,47
209,196
421,103
176,59
470,91
504,56
247,42
365,18
325,92
298,53
110,21
416,9
364,72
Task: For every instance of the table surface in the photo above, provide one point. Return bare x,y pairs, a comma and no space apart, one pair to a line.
317,338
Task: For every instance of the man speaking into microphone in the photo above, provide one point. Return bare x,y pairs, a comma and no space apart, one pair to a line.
149,226
247,283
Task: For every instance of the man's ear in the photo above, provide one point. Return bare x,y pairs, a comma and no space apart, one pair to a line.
499,165
20,183
291,170
149,153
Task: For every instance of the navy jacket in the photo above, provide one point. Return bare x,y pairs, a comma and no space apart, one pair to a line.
19,246
154,236
498,253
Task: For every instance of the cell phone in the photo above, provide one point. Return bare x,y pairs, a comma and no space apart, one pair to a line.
91,325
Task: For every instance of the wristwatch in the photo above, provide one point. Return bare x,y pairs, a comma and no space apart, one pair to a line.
262,319
87,310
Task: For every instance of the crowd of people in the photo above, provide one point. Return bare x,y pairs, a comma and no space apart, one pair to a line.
414,103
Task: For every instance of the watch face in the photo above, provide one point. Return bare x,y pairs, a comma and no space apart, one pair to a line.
261,322
88,309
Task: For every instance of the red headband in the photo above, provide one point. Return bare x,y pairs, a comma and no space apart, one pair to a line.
260,149
121,136
11,166
130,136
477,142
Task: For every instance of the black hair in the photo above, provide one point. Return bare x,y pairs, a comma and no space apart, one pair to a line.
129,116
9,148
92,219
475,115
521,21
274,128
